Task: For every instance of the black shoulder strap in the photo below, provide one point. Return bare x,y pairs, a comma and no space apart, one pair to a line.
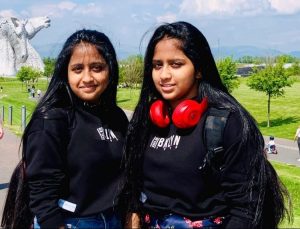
214,128
213,134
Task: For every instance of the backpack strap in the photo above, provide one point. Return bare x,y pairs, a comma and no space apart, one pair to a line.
213,137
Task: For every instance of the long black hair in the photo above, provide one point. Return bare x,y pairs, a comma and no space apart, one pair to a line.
16,212
196,48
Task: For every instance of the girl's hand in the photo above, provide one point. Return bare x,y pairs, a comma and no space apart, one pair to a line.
132,221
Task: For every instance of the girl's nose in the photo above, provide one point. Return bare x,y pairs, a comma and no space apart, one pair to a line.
87,76
165,73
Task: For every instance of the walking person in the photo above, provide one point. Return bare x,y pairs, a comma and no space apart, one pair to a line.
174,178
72,146
39,92
297,137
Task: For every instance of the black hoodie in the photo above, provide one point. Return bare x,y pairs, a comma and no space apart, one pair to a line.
73,162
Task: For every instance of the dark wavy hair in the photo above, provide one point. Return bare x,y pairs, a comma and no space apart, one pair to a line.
196,48
16,212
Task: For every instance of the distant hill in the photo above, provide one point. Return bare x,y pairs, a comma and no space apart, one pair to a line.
295,54
239,51
52,50
48,50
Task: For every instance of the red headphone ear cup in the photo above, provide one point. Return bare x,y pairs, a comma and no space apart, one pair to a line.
159,114
188,113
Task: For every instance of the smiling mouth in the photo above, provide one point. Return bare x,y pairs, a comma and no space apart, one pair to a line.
88,88
167,87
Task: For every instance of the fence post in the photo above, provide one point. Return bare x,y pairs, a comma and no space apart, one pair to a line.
2,113
23,118
10,111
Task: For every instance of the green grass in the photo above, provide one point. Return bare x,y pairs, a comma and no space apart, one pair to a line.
15,94
128,98
285,111
290,176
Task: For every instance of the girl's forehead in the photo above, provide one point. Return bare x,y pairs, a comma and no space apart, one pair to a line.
167,47
85,50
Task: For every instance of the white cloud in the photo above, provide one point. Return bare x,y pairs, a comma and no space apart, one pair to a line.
142,17
89,9
8,13
238,7
53,10
66,5
285,6
66,8
221,7
168,17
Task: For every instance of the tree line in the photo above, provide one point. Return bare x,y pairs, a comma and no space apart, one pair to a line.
271,80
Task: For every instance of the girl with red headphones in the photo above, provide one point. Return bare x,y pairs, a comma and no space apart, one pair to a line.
164,185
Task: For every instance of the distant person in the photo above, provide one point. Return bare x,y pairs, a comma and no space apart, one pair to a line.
1,128
72,146
297,137
39,92
271,147
29,92
32,92
1,88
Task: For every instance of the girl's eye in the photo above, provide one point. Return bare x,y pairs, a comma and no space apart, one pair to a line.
156,66
77,69
98,67
176,64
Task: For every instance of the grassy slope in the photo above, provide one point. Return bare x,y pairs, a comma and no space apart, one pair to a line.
290,176
285,115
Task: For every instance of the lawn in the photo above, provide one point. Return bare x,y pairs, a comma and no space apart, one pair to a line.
290,176
15,94
285,117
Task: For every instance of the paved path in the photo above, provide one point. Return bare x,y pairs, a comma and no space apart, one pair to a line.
9,157
287,151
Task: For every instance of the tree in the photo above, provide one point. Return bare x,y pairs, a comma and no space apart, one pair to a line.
294,70
251,60
131,70
227,71
285,59
270,80
24,74
27,74
49,66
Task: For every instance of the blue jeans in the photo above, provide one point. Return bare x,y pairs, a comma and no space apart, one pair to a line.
99,221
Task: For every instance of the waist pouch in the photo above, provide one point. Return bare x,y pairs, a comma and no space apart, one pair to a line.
175,221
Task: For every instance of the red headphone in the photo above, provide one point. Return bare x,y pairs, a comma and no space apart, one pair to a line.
186,114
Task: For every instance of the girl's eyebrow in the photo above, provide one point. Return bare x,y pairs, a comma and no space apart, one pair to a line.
93,63
171,59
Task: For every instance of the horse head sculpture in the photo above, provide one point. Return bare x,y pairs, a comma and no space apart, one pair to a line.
13,43
15,49
19,43
35,24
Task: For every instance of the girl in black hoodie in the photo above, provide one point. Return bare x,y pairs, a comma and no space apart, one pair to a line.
70,167
172,180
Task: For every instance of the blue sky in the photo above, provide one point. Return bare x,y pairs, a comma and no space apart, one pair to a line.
271,24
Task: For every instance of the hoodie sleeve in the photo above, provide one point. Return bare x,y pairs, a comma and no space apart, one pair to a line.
45,148
235,175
